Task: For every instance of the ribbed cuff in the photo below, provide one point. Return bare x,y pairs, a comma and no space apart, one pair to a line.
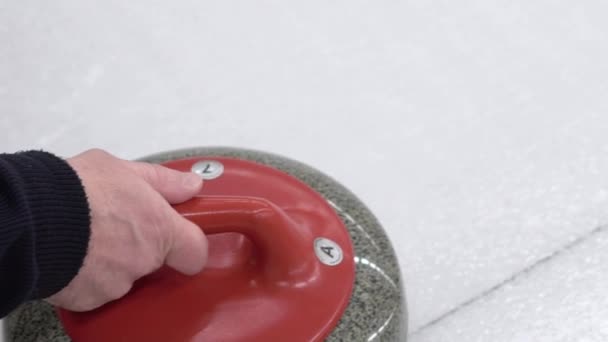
61,219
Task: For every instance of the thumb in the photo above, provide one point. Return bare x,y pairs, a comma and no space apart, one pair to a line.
175,186
188,252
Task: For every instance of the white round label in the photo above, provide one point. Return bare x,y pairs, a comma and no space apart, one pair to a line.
208,169
328,251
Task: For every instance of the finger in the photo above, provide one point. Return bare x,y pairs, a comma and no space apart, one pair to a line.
188,252
175,186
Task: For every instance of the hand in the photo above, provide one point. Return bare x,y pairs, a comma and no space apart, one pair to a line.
134,230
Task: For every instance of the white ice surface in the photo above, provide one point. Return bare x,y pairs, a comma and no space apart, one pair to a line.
475,130
562,299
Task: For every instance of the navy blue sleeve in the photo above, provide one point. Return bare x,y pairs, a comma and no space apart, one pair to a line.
44,226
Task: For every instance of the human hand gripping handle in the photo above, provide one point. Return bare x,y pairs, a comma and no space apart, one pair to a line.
134,228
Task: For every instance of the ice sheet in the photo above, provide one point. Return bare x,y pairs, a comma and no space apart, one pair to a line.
475,130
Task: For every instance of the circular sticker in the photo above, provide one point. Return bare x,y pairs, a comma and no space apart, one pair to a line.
208,169
328,251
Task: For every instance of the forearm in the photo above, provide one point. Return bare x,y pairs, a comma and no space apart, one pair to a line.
44,227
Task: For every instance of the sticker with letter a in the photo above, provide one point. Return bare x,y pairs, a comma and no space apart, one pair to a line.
328,251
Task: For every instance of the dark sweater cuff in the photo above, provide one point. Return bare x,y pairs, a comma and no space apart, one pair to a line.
61,219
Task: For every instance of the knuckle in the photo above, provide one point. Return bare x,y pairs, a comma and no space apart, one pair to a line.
88,304
152,172
99,155
118,290
160,217
164,231
146,265
85,304
98,152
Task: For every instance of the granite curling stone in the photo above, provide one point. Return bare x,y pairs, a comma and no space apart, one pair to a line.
376,305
